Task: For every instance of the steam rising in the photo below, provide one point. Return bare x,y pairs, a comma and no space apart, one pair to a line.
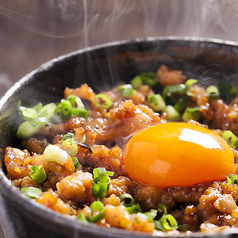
62,26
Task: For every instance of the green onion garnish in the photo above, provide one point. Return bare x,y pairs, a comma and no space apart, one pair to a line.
126,90
232,178
149,78
101,182
82,217
31,192
80,113
169,90
167,222
38,173
77,165
35,119
63,110
230,138
213,92
181,104
131,207
172,114
102,101
53,153
76,102
67,136
156,102
136,82
69,144
191,113
188,84
97,213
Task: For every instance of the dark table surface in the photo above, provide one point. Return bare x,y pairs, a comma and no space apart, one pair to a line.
34,31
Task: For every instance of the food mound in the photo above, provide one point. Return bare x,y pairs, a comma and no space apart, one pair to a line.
157,155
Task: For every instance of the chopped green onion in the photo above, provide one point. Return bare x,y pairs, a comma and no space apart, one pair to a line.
136,82
77,165
33,124
167,222
76,102
102,101
169,90
70,146
67,136
181,104
191,113
31,192
213,92
53,153
126,196
230,138
126,90
172,114
63,111
80,113
38,173
131,207
82,217
97,211
156,102
232,178
26,130
188,84
151,214
101,182
149,78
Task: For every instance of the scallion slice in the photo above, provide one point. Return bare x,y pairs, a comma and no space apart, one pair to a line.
191,113
172,114
80,113
188,84
70,146
53,153
230,138
63,111
76,102
156,102
136,82
102,100
38,173
232,178
131,207
77,165
167,222
31,192
101,182
33,123
149,78
97,211
126,90
169,90
213,92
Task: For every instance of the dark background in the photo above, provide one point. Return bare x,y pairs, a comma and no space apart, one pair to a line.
35,31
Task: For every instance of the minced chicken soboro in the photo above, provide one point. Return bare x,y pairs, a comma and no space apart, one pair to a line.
73,164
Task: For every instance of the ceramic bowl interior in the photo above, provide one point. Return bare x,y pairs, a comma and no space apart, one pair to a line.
102,67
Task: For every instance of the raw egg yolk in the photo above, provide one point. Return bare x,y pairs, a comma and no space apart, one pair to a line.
177,154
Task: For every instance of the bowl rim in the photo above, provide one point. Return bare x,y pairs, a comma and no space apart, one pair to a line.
38,210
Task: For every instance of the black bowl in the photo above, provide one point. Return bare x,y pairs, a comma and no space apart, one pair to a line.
101,67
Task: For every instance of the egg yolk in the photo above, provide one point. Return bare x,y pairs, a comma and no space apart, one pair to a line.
177,154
